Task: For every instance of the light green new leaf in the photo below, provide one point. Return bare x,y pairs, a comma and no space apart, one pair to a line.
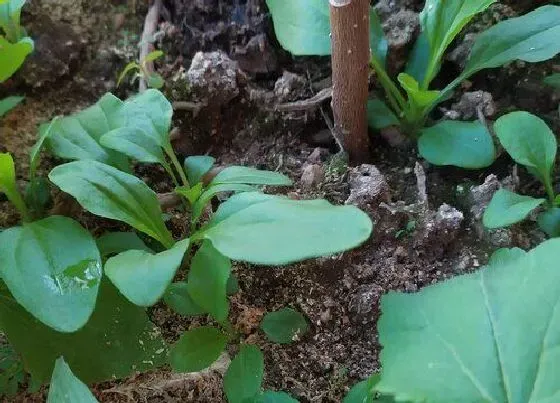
117,340
244,376
143,277
10,14
507,208
110,193
532,37
250,176
441,22
462,144
52,268
549,222
197,349
197,166
134,143
379,115
192,194
204,198
207,281
178,298
302,27
437,348
553,80
113,243
529,141
13,55
284,326
66,388
418,99
8,182
9,103
505,256
128,68
282,231
150,57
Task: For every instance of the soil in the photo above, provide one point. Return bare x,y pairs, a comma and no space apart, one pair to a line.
83,45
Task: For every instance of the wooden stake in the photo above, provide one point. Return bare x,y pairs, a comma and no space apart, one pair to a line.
350,59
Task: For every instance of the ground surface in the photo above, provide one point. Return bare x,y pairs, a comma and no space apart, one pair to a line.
88,42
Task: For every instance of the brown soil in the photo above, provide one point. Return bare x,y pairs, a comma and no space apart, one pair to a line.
339,295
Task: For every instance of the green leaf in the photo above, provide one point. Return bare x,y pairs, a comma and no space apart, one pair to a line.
110,193
250,176
507,208
284,326
553,80
377,40
155,80
13,56
441,22
238,202
192,194
178,298
66,388
9,103
437,348
117,340
364,392
150,57
211,191
418,99
302,27
134,143
529,141
35,154
282,231
461,144
8,182
143,277
276,397
379,115
197,349
113,243
549,222
244,376
207,281
197,166
232,286
128,68
53,269
419,58
505,256
532,37
10,13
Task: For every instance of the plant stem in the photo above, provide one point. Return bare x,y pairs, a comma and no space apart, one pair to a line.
389,87
16,199
549,191
171,154
170,172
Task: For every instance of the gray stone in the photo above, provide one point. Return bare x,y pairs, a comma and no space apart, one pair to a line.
368,187
312,176
213,77
471,102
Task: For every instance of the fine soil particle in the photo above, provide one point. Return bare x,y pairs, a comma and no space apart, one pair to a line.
339,295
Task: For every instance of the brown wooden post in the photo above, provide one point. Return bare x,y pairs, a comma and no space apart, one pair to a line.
350,68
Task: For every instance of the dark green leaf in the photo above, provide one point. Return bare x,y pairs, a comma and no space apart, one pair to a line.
379,115
178,298
108,192
197,166
549,222
113,243
250,176
245,374
134,143
197,349
35,154
66,388
38,195
282,231
117,340
232,286
9,103
553,80
204,198
143,277
507,208
53,269
461,144
284,326
207,282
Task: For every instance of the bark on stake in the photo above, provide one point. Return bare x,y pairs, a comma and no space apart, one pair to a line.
350,58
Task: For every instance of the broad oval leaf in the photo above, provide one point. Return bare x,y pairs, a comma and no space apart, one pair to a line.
13,55
284,326
211,191
437,348
52,268
207,281
250,176
177,297
549,222
197,349
9,103
529,141
244,376
197,166
134,143
143,277
238,202
117,340
532,37
282,231
379,115
66,388
110,193
461,144
506,255
302,27
507,208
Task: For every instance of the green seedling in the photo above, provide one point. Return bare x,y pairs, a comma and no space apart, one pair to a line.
75,290
531,143
303,29
139,71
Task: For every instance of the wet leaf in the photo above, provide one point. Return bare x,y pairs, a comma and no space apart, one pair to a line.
197,349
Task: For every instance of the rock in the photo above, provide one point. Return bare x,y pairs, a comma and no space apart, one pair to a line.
318,155
312,176
289,87
368,187
363,305
213,78
440,228
401,30
461,53
257,56
385,8
479,196
471,102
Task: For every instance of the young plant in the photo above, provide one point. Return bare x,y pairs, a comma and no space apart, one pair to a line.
53,267
531,143
531,38
139,71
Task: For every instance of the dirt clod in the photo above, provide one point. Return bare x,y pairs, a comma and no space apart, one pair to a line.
472,102
368,187
312,176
